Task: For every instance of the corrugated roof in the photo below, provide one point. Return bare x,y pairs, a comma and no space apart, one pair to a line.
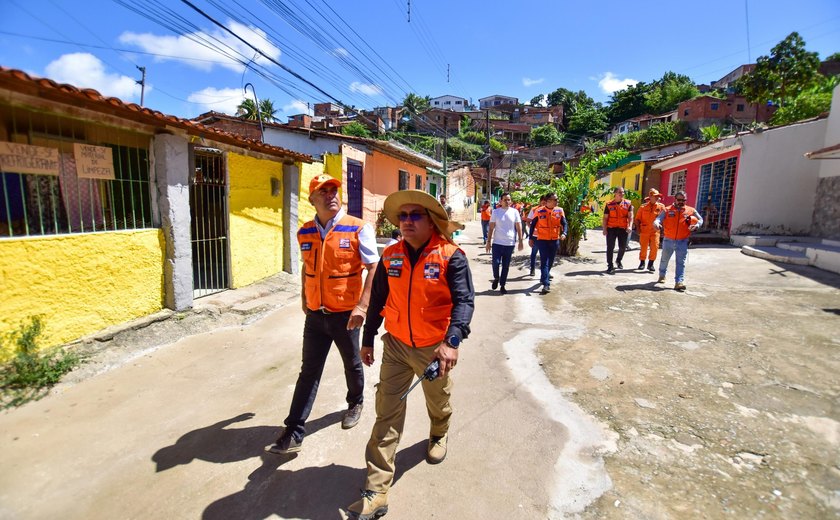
44,88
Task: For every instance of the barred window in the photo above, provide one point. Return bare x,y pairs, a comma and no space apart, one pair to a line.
677,182
61,175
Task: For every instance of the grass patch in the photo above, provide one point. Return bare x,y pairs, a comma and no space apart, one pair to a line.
31,373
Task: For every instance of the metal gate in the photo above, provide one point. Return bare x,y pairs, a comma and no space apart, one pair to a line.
714,195
209,223
354,189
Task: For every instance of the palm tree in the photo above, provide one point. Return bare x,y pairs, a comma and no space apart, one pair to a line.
267,110
415,104
247,109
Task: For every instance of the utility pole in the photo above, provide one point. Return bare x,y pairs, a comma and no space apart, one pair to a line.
445,135
142,83
409,11
257,105
489,157
447,73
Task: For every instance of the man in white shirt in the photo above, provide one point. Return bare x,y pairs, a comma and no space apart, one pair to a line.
505,231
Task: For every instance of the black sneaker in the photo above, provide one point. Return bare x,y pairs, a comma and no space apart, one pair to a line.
610,270
285,444
531,273
494,284
650,266
351,416
546,289
618,264
641,265
502,290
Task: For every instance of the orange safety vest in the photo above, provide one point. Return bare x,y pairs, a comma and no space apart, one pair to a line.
646,215
676,222
332,266
618,214
549,223
419,305
585,208
486,212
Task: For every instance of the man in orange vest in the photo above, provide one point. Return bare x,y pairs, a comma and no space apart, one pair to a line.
617,223
548,227
486,213
676,222
335,249
423,289
648,235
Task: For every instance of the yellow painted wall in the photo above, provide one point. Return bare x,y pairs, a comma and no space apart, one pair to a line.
306,211
256,219
80,283
628,174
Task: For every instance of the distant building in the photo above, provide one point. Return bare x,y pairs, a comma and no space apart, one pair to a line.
539,116
708,110
328,110
496,100
455,103
729,80
432,121
642,122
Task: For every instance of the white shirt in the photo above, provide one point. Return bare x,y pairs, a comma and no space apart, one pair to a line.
504,232
367,238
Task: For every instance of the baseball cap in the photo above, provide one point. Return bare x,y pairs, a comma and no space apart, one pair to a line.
319,181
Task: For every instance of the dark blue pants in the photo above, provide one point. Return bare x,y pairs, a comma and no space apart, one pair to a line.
319,332
616,234
533,257
485,229
547,250
501,255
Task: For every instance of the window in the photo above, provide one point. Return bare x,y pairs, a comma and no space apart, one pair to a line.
714,106
538,116
677,182
636,183
447,102
437,102
418,182
497,103
622,182
403,180
459,102
685,112
58,200
739,108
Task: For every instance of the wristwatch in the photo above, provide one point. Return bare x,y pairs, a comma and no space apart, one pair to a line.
453,341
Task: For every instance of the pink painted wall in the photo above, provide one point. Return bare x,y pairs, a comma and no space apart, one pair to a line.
381,178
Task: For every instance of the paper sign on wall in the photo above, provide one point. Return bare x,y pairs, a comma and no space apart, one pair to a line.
28,159
93,162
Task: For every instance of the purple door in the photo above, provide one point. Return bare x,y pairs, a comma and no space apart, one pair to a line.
354,189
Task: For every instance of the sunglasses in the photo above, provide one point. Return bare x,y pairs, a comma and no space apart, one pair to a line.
414,216
680,200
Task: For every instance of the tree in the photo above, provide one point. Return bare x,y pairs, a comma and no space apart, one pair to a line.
588,121
537,101
810,103
529,173
546,135
668,92
248,110
356,129
570,101
780,77
628,103
415,104
267,110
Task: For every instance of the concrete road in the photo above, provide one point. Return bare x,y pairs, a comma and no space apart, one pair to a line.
565,405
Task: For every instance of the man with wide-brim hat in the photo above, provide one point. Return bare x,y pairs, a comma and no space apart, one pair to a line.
428,325
648,234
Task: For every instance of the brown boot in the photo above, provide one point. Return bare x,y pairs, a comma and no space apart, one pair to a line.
437,449
372,505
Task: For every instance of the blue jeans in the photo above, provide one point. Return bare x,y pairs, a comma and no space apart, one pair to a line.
319,332
485,229
501,255
533,257
548,250
669,246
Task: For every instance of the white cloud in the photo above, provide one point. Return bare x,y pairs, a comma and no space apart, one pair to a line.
609,83
365,88
224,100
528,82
297,107
185,49
84,70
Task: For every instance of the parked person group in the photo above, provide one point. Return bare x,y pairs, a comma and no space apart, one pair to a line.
504,234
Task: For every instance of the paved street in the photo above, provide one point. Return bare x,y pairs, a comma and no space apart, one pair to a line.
611,397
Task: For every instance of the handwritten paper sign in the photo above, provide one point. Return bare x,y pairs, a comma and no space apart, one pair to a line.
93,162
26,158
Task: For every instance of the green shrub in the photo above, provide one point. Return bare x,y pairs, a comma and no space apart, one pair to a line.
384,228
31,373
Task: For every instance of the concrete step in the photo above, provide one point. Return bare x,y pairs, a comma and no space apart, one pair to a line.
776,254
767,240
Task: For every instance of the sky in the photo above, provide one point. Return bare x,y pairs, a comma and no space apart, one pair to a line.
368,53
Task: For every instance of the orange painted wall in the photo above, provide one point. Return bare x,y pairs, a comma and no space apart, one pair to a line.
381,178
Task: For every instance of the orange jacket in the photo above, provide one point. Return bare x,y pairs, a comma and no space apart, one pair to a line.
486,212
549,224
646,215
676,221
333,266
419,305
618,213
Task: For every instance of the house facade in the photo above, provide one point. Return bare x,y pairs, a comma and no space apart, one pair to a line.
708,110
496,100
447,102
111,211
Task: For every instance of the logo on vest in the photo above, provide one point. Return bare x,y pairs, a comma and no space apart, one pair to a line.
344,243
306,246
431,271
397,262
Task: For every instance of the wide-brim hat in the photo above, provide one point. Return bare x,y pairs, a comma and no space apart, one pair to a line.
654,193
398,199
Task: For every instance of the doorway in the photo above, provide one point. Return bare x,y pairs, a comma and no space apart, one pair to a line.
209,222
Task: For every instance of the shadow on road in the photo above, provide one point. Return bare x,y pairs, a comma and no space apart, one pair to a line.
649,286
316,493
216,443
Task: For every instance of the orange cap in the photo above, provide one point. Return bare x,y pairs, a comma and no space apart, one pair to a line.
322,180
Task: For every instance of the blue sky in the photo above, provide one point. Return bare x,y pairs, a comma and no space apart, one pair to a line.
366,53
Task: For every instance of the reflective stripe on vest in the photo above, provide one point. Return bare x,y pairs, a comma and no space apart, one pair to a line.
332,268
618,214
674,225
549,224
419,306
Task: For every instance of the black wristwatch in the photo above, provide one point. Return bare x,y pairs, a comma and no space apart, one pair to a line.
453,341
